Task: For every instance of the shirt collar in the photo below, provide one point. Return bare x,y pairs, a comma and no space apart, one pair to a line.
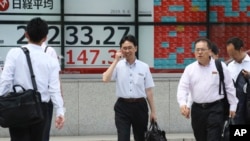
245,59
211,60
131,64
33,47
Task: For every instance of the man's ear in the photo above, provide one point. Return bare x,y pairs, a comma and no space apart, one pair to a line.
44,39
136,48
27,35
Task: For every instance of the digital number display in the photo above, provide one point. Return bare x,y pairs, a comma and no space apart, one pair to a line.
90,56
82,45
93,45
85,45
95,35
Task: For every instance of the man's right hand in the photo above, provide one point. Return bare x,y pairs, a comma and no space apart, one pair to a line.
118,55
59,122
185,111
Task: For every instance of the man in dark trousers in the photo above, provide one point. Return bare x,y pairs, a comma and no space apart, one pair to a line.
46,71
201,79
134,85
239,69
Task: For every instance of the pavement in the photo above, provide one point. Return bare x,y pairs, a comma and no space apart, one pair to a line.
170,137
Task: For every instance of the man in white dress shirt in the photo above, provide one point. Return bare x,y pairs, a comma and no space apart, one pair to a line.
46,71
239,69
49,50
201,79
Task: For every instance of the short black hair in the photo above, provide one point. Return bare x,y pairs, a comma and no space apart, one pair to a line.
129,38
214,48
209,44
236,41
37,29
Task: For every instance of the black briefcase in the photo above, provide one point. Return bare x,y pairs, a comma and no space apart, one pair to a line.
154,133
19,109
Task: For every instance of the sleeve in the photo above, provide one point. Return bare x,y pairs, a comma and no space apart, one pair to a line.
149,79
189,101
7,76
51,51
230,89
183,89
54,88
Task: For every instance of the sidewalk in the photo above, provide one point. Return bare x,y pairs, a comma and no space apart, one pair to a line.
170,137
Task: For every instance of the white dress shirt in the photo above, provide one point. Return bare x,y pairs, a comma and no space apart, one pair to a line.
235,68
46,70
203,84
51,51
132,80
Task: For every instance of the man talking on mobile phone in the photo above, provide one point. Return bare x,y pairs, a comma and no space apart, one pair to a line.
134,84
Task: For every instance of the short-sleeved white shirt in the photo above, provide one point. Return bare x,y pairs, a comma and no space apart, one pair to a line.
132,80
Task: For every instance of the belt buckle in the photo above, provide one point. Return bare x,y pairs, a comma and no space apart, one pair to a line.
132,100
204,105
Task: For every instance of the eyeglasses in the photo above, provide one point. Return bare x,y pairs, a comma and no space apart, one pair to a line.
127,48
200,49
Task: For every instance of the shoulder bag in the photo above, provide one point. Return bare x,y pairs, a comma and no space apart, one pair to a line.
225,100
19,109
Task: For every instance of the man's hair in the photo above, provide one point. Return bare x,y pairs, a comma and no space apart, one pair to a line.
37,29
237,42
129,38
215,49
203,39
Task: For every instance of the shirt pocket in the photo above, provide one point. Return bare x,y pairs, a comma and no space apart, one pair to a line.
139,79
215,79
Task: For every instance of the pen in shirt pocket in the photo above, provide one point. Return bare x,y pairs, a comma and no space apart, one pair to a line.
140,74
214,72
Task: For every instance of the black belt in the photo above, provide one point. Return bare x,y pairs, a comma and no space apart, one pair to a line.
206,105
131,100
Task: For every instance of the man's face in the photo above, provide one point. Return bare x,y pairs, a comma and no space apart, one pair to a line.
234,54
202,52
128,50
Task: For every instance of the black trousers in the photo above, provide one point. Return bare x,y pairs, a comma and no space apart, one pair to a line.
48,125
129,114
207,121
33,132
240,117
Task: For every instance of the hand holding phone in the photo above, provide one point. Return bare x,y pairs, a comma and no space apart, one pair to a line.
118,54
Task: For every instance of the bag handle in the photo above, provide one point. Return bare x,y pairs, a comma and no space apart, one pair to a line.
154,126
15,86
26,52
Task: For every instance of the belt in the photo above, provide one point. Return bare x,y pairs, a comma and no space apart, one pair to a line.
207,105
131,100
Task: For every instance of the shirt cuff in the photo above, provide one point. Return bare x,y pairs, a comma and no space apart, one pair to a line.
182,103
233,107
189,104
60,111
